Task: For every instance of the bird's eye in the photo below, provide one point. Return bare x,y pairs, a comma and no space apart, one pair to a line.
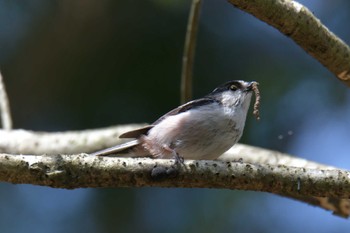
233,87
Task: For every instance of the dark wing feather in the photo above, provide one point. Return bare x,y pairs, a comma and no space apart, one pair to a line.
122,148
183,108
136,132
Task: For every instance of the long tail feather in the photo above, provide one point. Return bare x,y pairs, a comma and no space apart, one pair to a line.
117,149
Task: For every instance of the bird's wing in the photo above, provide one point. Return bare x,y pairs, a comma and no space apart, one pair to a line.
136,132
185,107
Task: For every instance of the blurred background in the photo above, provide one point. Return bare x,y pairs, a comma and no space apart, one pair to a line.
72,65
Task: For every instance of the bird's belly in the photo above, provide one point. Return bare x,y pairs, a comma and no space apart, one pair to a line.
206,144
198,138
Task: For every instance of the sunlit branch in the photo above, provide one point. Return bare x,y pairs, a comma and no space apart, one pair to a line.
297,22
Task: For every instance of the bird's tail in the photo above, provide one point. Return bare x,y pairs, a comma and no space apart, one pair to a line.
124,148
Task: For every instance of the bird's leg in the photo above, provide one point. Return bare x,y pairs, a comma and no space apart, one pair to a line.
178,159
160,172
176,156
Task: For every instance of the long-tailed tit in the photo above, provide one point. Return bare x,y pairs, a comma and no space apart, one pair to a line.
200,129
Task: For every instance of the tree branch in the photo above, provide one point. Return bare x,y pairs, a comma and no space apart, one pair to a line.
40,169
189,51
29,142
21,141
62,171
82,170
297,22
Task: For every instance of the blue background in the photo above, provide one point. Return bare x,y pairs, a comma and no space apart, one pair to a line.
71,65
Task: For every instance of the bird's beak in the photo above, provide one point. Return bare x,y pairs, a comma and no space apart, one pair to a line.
249,86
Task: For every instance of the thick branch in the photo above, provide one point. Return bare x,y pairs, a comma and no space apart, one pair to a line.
78,171
82,170
297,22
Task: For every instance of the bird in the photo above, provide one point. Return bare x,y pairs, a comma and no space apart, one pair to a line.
202,129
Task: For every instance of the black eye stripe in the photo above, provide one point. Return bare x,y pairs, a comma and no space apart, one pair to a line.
229,86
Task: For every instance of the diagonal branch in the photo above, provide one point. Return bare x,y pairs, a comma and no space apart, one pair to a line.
297,22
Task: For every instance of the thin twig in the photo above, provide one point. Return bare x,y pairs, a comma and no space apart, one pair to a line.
189,51
6,120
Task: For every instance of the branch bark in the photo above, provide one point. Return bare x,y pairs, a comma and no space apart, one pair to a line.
21,141
82,170
297,22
